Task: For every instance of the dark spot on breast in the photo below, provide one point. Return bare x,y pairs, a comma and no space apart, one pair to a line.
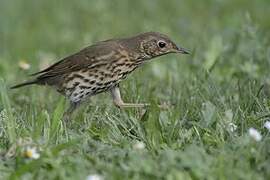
84,70
128,64
118,71
102,88
81,96
92,82
78,76
120,64
113,67
107,75
86,80
138,63
70,78
107,83
99,84
70,89
127,72
76,84
83,87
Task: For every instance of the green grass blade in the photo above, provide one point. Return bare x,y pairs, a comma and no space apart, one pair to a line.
10,120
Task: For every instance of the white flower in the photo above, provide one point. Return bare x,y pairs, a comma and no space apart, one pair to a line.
94,177
139,145
24,65
31,153
267,125
232,127
255,134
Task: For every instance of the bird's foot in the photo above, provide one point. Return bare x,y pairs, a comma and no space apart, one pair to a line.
141,105
131,105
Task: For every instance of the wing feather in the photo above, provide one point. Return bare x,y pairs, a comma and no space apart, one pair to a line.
88,57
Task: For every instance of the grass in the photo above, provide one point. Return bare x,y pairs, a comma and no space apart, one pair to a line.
225,80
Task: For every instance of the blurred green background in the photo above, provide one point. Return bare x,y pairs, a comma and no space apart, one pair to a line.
32,29
225,80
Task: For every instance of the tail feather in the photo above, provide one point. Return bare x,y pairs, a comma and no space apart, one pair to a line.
24,84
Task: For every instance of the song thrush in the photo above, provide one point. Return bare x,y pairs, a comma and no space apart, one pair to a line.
102,66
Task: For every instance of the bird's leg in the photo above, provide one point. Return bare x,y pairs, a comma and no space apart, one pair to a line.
117,100
68,113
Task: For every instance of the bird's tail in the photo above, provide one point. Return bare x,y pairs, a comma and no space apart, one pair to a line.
24,84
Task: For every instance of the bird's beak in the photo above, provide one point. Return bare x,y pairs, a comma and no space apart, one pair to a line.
182,50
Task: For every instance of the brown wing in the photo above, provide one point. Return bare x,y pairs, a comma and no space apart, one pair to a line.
86,58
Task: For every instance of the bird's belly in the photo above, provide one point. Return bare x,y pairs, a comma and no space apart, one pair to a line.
79,90
80,85
82,92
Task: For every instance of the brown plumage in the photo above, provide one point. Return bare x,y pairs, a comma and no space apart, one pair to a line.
101,67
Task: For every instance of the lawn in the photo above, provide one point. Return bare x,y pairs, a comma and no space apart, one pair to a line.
217,93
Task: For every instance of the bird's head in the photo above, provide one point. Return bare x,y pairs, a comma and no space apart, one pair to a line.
154,44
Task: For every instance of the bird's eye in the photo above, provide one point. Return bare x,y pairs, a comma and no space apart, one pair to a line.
161,44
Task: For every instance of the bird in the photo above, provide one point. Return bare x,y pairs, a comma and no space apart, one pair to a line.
101,67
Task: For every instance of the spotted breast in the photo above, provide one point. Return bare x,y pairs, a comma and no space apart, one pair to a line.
96,79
